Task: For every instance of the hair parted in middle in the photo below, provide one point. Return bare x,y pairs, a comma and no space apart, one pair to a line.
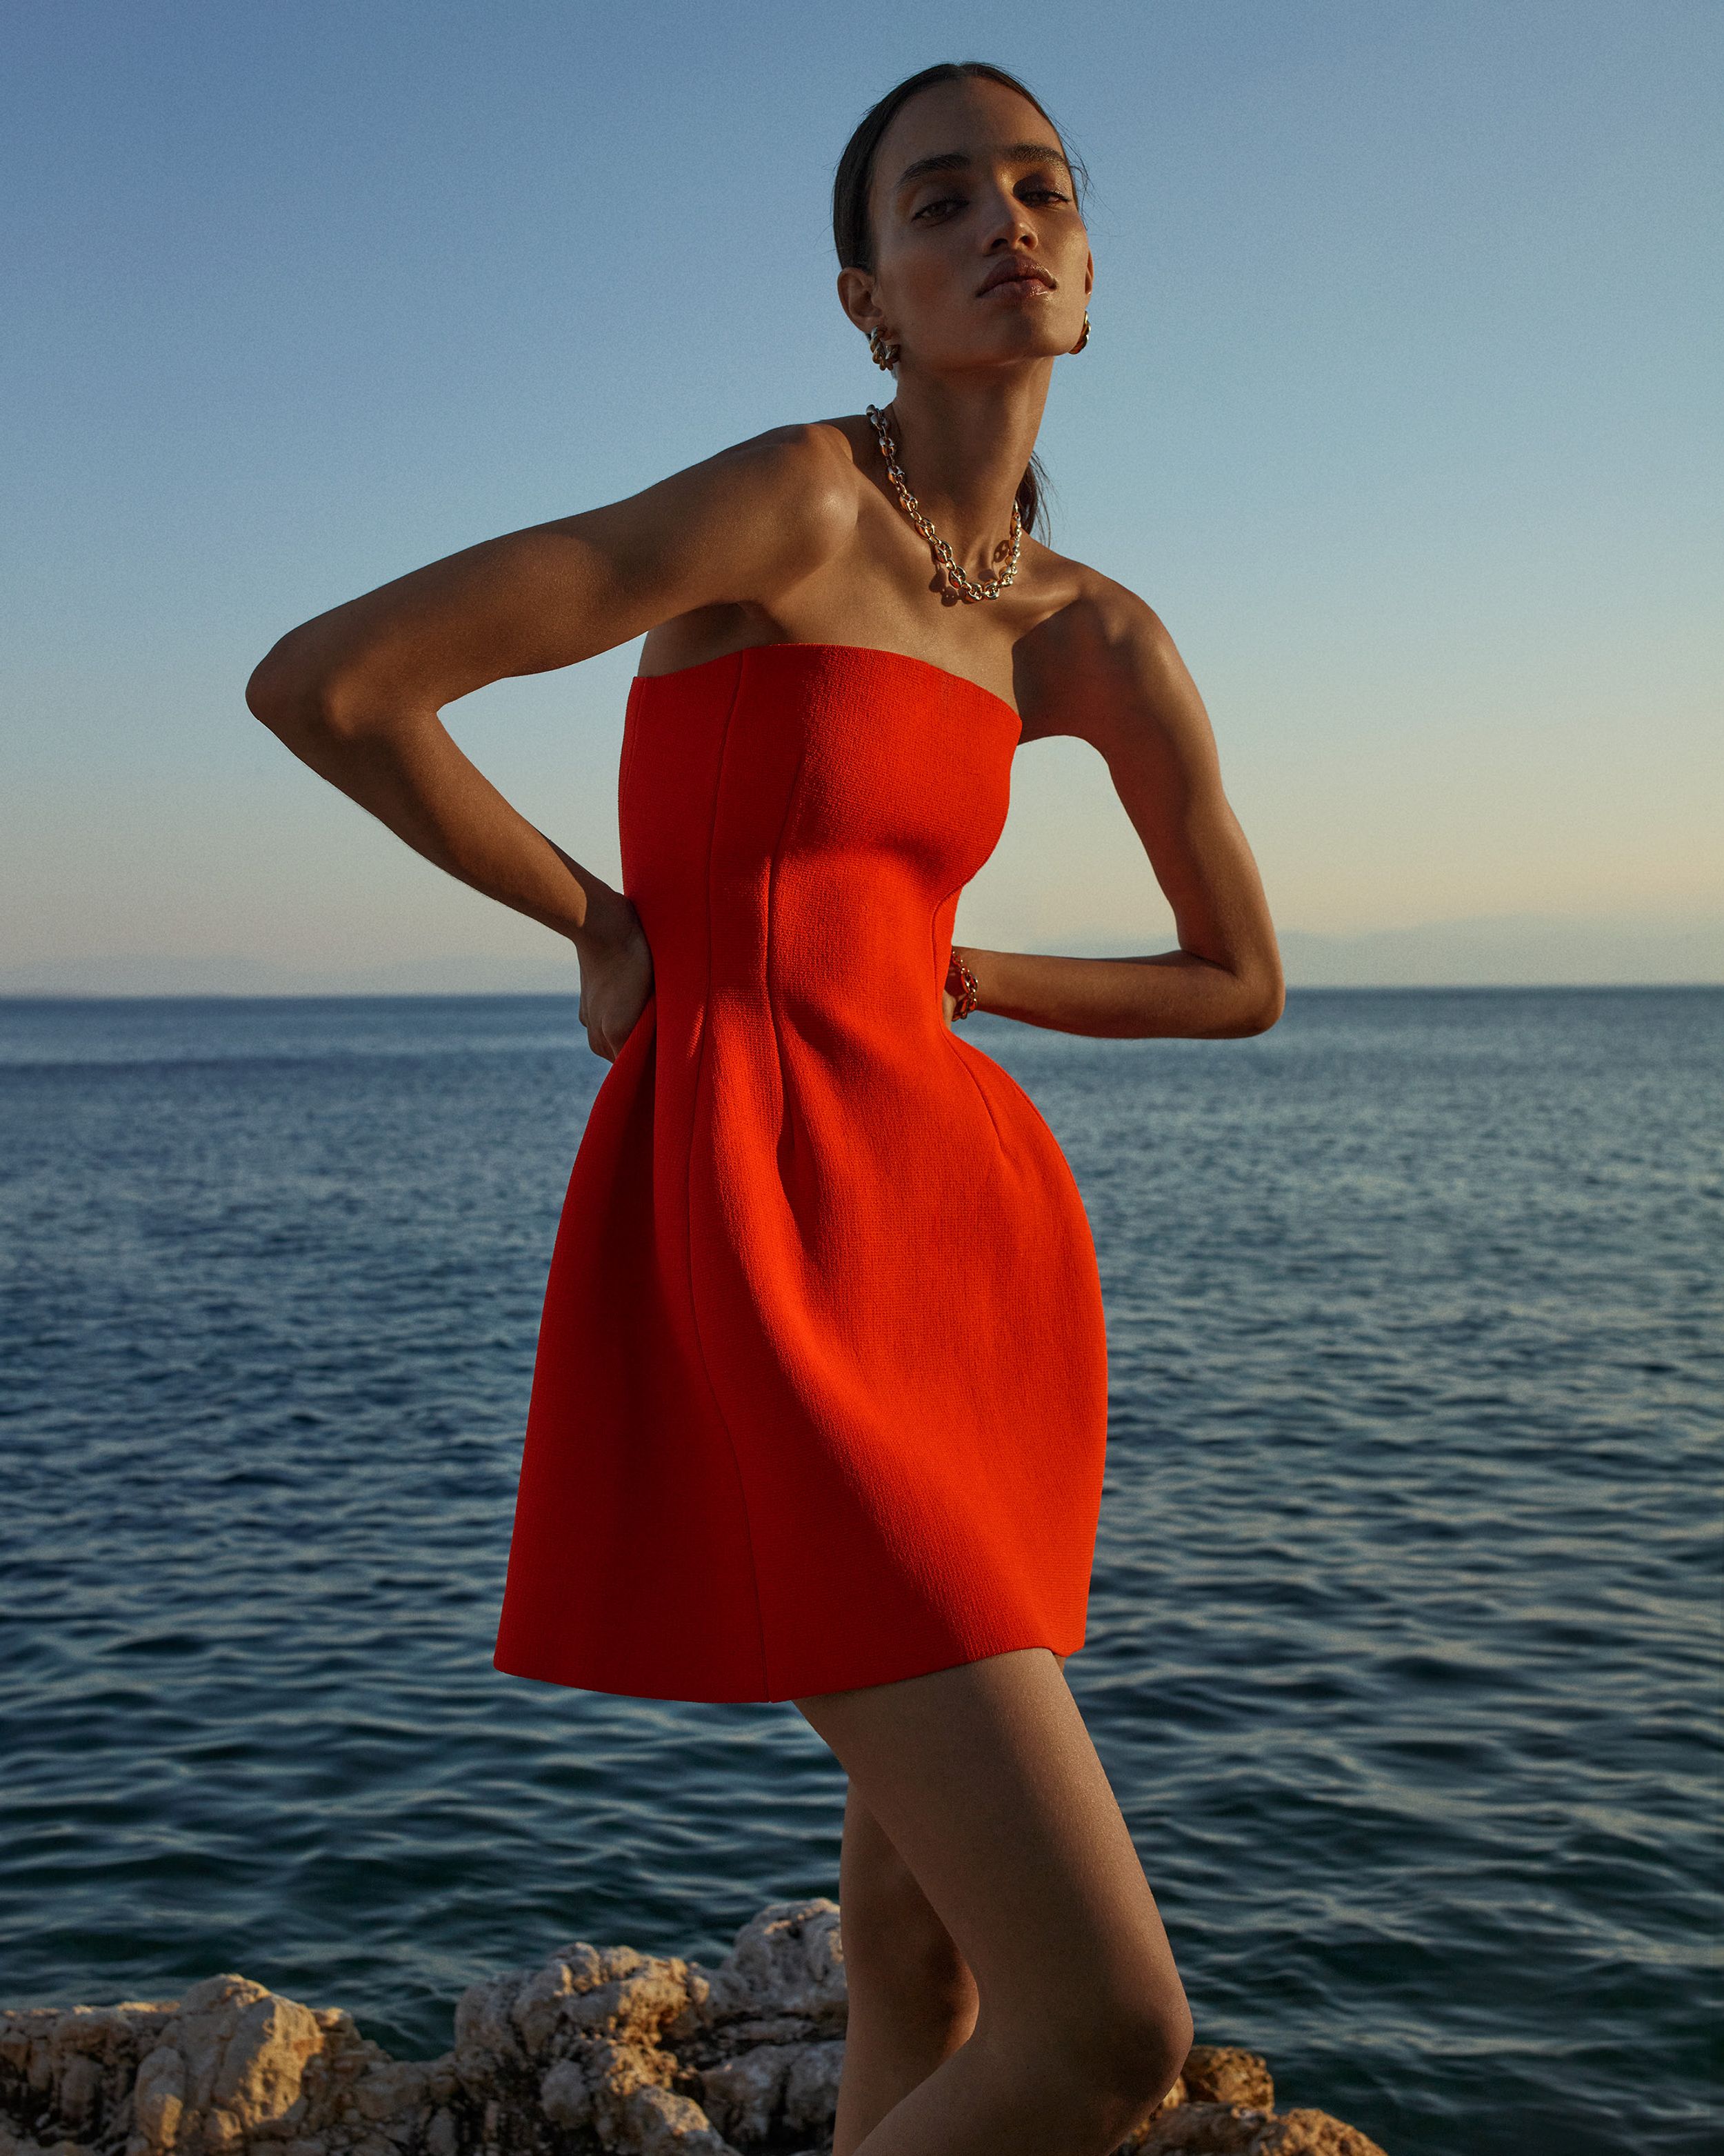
852,223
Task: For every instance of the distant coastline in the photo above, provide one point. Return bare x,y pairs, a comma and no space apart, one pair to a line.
1506,950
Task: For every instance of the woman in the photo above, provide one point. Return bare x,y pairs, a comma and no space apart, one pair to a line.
820,1399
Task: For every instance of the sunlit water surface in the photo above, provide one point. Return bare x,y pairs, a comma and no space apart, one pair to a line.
1403,1650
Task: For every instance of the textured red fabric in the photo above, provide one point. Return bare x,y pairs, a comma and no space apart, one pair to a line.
821,1390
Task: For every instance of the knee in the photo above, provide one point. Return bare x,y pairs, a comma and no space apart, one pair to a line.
1130,2052
1116,2056
1100,2068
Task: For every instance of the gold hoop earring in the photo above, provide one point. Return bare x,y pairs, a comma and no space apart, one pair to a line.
885,355
1085,338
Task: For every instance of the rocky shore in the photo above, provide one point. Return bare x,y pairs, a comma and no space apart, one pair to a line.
601,2050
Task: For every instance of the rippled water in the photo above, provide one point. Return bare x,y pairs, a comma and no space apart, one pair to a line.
1405,1630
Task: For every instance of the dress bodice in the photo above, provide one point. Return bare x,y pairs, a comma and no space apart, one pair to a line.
798,820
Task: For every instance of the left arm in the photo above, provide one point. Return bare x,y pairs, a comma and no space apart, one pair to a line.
1106,670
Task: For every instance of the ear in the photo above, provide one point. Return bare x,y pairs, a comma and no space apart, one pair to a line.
1089,275
856,296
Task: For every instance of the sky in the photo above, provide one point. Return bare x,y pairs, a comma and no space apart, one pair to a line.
1400,408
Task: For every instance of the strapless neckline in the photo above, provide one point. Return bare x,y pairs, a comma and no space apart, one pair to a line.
860,650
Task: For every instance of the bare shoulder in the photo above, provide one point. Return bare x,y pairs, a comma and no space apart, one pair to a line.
807,462
788,493
1102,664
746,525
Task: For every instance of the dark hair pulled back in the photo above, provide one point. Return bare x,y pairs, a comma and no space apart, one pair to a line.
853,224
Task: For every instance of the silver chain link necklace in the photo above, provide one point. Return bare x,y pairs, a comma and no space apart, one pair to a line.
965,586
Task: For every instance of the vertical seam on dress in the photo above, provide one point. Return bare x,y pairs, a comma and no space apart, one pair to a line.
945,1030
631,742
790,793
766,1684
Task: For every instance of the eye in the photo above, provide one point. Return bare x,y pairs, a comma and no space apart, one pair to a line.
945,202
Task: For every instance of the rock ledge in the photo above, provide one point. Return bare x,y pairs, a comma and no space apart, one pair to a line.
601,2052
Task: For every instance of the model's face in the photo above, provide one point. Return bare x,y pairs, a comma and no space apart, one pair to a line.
981,258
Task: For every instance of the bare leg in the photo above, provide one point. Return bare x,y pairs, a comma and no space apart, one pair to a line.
984,1780
912,1998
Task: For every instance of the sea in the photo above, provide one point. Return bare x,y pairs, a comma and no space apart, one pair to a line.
1407,1609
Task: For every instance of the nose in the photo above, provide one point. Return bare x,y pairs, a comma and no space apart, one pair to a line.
1010,226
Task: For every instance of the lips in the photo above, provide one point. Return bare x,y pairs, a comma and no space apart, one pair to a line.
1017,273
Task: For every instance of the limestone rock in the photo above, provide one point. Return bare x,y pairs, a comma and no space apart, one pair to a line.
1312,2133
1223,2073
599,2052
1203,2128
758,2094
782,1980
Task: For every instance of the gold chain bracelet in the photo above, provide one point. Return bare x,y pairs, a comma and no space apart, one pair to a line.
965,988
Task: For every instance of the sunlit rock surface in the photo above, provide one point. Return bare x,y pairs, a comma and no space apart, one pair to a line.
601,2050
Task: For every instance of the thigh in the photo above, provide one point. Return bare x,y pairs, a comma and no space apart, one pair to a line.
984,1780
882,1899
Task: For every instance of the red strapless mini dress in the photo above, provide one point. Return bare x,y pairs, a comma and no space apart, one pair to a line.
820,1398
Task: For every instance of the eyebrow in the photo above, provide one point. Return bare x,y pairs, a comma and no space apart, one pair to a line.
953,160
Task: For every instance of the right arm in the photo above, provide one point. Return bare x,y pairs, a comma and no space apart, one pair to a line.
355,693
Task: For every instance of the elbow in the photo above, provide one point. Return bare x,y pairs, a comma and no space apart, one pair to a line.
1263,997
1268,1012
298,699
285,696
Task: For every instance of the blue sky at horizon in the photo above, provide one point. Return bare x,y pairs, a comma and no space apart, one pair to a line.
1401,410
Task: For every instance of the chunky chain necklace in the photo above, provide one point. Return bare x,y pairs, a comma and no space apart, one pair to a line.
965,586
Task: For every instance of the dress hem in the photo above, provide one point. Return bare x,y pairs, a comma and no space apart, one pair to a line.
593,1681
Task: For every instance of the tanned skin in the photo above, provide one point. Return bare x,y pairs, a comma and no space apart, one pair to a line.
1012,1989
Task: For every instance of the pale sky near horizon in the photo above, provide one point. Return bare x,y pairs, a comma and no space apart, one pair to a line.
1401,408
